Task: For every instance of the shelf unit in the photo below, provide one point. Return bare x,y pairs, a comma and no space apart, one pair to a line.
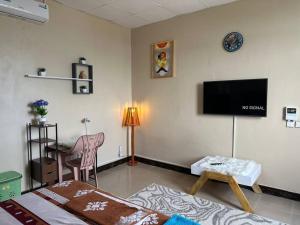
79,85
43,140
76,80
56,78
44,168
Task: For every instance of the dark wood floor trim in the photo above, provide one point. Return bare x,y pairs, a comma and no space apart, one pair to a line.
265,189
112,164
163,165
280,193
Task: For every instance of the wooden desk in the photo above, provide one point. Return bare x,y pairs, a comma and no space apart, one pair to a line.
62,153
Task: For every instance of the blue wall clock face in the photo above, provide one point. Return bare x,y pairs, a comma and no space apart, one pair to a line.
233,41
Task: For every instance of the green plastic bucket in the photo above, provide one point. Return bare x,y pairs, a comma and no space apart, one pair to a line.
10,185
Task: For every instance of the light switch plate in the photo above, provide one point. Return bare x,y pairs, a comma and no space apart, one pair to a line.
297,125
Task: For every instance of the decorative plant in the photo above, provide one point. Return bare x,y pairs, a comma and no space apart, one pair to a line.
39,107
83,89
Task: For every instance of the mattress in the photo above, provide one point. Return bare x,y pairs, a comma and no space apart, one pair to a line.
246,172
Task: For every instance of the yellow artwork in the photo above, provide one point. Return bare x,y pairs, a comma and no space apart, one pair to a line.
162,59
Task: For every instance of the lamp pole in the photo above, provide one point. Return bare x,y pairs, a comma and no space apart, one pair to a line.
132,162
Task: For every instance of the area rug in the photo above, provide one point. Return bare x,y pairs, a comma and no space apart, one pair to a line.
169,202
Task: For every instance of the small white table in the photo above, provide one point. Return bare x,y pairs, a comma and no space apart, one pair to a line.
230,170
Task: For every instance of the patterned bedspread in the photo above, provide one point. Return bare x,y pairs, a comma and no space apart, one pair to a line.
76,203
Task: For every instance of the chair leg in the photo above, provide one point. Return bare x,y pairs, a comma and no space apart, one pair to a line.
76,173
95,175
86,175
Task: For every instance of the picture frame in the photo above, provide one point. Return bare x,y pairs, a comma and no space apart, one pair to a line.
162,59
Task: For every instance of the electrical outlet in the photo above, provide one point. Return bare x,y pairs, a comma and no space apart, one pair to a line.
290,124
120,152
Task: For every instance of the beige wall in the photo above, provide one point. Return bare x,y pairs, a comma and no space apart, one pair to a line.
173,130
55,45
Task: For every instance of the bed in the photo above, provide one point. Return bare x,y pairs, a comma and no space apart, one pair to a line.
76,203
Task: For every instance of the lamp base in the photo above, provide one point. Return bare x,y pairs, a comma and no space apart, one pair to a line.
132,163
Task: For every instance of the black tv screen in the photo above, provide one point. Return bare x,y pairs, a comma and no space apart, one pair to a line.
236,97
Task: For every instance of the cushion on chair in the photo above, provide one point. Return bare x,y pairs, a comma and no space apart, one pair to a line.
74,163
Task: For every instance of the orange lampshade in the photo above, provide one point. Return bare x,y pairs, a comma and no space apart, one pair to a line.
132,117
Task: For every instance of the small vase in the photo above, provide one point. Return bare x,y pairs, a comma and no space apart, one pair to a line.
42,119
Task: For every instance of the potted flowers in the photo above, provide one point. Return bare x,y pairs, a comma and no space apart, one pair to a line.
82,60
39,108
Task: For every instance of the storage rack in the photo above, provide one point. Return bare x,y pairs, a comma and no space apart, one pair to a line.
42,162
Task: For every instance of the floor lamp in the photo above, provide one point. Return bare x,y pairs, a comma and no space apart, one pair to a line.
132,120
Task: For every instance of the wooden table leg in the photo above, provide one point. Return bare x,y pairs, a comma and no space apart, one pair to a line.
240,195
256,188
199,183
232,183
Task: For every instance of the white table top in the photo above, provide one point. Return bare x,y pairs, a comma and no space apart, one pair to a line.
245,171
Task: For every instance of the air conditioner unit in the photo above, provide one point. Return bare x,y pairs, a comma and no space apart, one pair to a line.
25,9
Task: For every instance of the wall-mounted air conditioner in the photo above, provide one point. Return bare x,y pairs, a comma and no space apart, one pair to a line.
25,9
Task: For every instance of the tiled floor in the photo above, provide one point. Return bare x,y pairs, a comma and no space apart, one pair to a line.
124,181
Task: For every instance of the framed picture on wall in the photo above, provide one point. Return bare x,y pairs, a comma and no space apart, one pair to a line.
162,57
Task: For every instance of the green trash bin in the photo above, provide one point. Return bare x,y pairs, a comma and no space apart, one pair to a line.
10,185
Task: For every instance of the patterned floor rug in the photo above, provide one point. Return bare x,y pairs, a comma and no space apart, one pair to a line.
169,202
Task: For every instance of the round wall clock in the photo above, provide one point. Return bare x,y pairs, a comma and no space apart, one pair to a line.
233,41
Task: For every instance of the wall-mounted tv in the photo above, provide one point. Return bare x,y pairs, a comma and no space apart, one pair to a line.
236,97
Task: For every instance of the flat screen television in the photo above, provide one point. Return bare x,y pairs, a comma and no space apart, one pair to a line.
236,97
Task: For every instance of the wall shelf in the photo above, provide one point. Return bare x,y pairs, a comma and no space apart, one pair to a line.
56,78
82,78
77,68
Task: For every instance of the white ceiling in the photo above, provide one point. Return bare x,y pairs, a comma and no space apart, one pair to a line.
136,13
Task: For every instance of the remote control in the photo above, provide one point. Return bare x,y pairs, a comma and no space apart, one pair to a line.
216,164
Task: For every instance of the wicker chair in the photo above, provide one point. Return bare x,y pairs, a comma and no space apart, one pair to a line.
85,150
